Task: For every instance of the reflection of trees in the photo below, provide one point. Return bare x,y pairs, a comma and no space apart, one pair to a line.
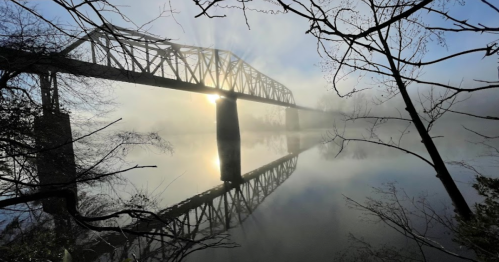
359,153
431,232
269,122
43,237
274,142
329,151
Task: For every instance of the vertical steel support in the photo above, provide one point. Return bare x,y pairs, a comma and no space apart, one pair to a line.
176,54
45,92
200,66
108,51
55,91
238,203
210,216
217,69
92,47
226,209
55,160
49,92
131,58
147,58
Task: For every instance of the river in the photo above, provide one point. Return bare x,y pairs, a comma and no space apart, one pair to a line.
305,216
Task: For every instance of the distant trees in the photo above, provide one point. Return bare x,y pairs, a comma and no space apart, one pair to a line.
269,122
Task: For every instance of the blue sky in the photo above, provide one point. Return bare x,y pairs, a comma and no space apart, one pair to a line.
278,46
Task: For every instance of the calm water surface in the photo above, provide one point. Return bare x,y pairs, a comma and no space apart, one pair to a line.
305,217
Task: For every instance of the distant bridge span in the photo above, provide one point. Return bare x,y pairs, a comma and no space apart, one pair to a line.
124,55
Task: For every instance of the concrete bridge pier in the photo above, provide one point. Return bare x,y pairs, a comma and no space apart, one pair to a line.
55,161
292,119
228,140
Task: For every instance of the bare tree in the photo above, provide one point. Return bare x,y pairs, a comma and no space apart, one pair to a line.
387,43
87,16
431,231
48,172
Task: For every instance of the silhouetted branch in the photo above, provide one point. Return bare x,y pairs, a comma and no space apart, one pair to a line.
473,115
205,9
402,213
482,135
344,141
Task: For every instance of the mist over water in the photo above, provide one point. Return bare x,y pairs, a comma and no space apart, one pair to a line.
252,131
306,217
194,166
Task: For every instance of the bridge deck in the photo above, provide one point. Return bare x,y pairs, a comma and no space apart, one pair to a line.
30,63
124,55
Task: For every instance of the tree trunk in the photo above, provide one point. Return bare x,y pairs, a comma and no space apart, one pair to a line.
438,164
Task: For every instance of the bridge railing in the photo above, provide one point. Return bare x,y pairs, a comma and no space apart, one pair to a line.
135,52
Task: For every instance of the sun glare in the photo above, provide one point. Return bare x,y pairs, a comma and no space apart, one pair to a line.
217,162
213,98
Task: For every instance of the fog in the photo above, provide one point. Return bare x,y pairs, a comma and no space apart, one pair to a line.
275,178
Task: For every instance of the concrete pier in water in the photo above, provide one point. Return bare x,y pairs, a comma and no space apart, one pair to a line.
228,139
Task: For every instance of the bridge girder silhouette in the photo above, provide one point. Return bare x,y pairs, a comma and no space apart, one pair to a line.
153,61
125,55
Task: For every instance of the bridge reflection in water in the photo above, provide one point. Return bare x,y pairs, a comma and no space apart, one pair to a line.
209,213
228,205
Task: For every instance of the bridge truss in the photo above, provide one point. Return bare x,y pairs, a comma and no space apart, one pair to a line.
228,205
139,56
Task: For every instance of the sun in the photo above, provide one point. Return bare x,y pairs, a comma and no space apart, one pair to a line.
213,98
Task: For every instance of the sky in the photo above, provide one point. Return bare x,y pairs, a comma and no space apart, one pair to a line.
277,46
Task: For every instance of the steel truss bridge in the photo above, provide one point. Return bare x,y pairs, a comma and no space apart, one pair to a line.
125,55
209,213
